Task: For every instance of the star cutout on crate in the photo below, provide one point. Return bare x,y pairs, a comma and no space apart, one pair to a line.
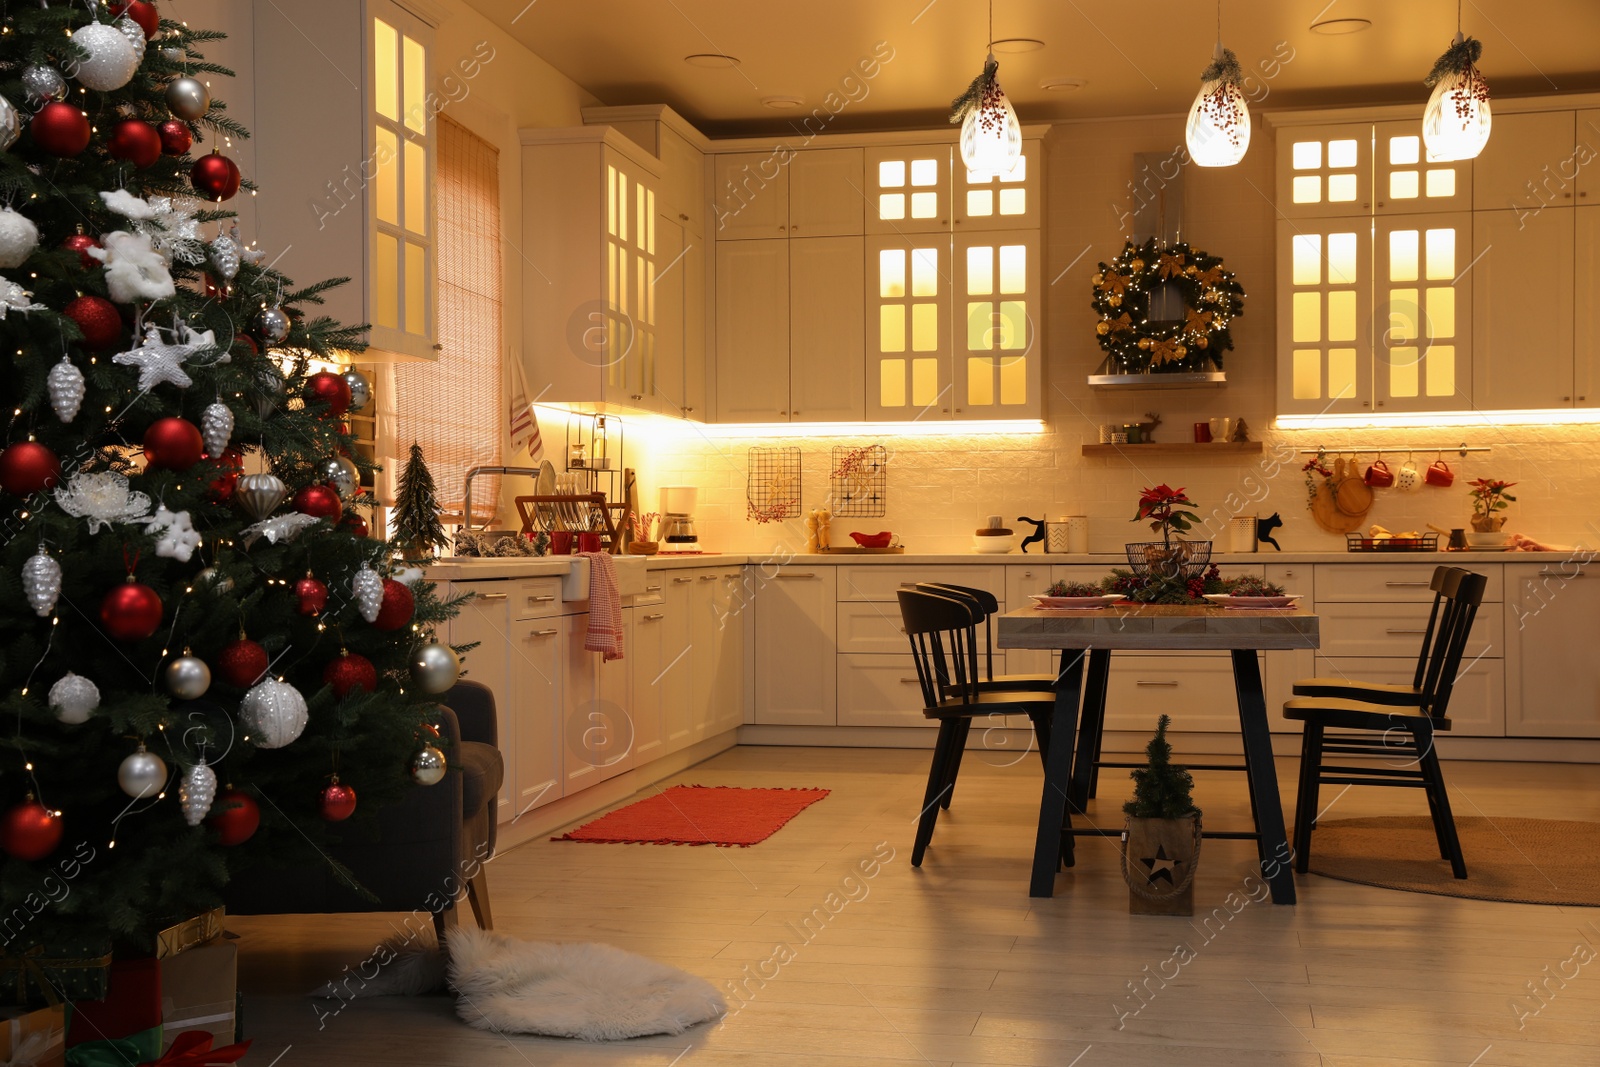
1160,866
159,361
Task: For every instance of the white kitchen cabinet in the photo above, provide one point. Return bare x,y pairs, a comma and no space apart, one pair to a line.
827,193
680,148
534,695
680,320
882,690
597,729
1406,182
753,331
1585,157
370,192
795,647
484,621
1196,690
908,188
675,675
1522,260
1021,583
750,194
717,660
997,358
1283,667
1422,359
1528,163
826,361
1552,612
1586,302
1325,294
1010,201
1324,170
1477,702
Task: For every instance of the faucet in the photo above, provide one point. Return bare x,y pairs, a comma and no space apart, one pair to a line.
466,488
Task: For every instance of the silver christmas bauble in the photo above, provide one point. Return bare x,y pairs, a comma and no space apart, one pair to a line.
435,667
367,588
188,98
360,389
111,61
273,713
142,774
260,494
428,767
272,324
225,255
187,677
74,699
18,237
196,791
132,31
41,580
341,473
10,124
43,84
65,382
216,427
213,577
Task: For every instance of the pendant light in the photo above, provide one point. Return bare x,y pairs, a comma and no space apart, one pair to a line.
1455,124
991,138
1218,131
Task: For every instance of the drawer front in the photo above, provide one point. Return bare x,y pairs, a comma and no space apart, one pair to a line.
871,626
1477,703
1197,691
878,583
1395,631
1393,582
880,690
533,598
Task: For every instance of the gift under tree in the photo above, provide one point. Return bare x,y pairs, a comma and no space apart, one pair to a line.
202,656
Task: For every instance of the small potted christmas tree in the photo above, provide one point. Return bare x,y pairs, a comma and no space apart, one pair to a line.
1161,845
417,529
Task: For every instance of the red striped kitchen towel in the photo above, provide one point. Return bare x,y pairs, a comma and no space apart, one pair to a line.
605,607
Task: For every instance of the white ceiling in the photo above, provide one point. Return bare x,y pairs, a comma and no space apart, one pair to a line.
1136,58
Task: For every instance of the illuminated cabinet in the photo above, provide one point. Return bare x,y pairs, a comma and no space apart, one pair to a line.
590,243
1523,260
365,209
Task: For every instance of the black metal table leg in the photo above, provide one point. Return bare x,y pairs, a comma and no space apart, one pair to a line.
1047,844
1091,729
1273,844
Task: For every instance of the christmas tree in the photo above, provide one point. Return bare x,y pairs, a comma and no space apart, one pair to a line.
1161,790
195,632
417,529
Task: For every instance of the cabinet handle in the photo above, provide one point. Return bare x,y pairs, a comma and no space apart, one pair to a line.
541,599
1027,574
910,681
709,577
1161,685
802,574
792,229
636,396
1401,633
493,596
1408,585
682,217
1566,398
544,633
681,581
653,617
1548,573
781,229
653,588
794,413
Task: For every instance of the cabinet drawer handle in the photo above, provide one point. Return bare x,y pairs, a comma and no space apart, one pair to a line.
803,574
653,588
682,580
1162,685
544,599
709,577
653,617
1398,633
1548,573
1407,585
493,596
910,681
544,633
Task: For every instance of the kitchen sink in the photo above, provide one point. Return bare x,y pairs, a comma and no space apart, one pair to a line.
630,577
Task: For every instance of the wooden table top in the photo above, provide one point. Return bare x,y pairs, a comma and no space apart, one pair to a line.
1160,627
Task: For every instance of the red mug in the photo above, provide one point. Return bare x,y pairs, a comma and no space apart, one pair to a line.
1440,474
561,542
1202,433
589,541
1379,476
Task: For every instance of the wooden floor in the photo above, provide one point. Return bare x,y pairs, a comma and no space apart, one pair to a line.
954,964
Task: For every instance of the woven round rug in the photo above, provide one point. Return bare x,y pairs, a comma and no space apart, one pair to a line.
1527,861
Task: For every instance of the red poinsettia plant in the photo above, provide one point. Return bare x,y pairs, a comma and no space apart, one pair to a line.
1161,506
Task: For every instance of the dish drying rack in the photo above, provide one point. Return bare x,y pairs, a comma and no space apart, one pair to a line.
578,512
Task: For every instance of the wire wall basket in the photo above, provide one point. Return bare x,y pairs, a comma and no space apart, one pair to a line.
772,484
859,482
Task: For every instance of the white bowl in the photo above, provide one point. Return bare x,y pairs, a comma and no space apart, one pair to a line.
1488,540
994,545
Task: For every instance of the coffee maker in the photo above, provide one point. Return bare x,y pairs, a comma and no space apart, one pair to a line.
677,518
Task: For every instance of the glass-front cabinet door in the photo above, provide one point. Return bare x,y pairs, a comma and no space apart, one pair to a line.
1422,322
908,327
1324,308
908,189
1408,182
997,349
401,300
1325,170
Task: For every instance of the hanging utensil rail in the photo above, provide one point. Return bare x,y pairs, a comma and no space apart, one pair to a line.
1323,451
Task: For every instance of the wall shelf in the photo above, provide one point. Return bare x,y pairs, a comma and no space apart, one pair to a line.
1177,448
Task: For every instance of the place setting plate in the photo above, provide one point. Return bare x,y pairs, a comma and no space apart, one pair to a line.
1068,603
1225,600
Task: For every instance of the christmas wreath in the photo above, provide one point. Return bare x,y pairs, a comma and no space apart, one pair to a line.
1212,299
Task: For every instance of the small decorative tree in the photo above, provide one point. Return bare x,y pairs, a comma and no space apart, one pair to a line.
1161,845
1161,790
417,529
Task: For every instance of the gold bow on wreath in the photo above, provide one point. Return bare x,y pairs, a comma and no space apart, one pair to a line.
1164,352
1197,322
1211,278
1112,283
1171,266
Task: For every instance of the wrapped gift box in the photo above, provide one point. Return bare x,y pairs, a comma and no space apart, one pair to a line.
33,1038
74,970
198,992
191,933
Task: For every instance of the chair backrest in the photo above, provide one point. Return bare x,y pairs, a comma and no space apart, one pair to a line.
985,604
943,635
1432,635
1463,590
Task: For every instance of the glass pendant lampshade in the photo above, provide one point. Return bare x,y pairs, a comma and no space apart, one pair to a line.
1455,124
991,138
1218,130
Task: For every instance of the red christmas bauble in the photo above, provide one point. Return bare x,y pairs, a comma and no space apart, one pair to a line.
235,816
98,319
215,176
81,243
319,500
348,672
248,342
311,596
176,138
141,12
135,141
27,467
173,443
30,831
325,387
230,465
242,662
354,523
60,129
131,611
398,604
338,802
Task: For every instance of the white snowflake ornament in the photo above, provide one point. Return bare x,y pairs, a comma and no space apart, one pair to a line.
103,497
65,384
368,590
159,361
41,581
14,297
175,535
216,427
284,528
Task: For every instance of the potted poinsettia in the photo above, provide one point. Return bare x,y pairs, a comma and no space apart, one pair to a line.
1489,499
1161,844
1165,509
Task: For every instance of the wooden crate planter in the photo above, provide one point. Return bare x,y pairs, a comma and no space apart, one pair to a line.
1159,858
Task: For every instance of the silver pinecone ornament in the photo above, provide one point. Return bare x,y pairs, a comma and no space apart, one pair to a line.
196,792
41,580
216,426
225,255
65,382
368,590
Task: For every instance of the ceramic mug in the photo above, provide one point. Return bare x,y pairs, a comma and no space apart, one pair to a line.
1407,479
561,542
1379,476
1202,433
1221,430
589,541
1440,474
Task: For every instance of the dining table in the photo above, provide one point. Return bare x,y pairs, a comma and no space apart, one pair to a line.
1086,638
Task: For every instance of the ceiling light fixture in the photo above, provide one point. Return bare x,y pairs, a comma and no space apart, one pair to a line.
1455,124
1340,27
1218,130
991,138
782,103
1012,45
711,60
1063,85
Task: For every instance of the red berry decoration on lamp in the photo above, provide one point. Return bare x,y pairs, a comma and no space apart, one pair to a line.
338,802
176,138
348,672
131,611
60,129
325,387
28,467
215,176
241,663
398,606
135,141
319,501
235,816
311,595
30,831
174,444
97,318
141,12
81,243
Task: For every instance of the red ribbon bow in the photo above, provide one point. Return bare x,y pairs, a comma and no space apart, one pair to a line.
193,1049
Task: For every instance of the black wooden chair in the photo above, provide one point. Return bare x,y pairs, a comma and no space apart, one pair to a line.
1401,736
988,606
943,635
